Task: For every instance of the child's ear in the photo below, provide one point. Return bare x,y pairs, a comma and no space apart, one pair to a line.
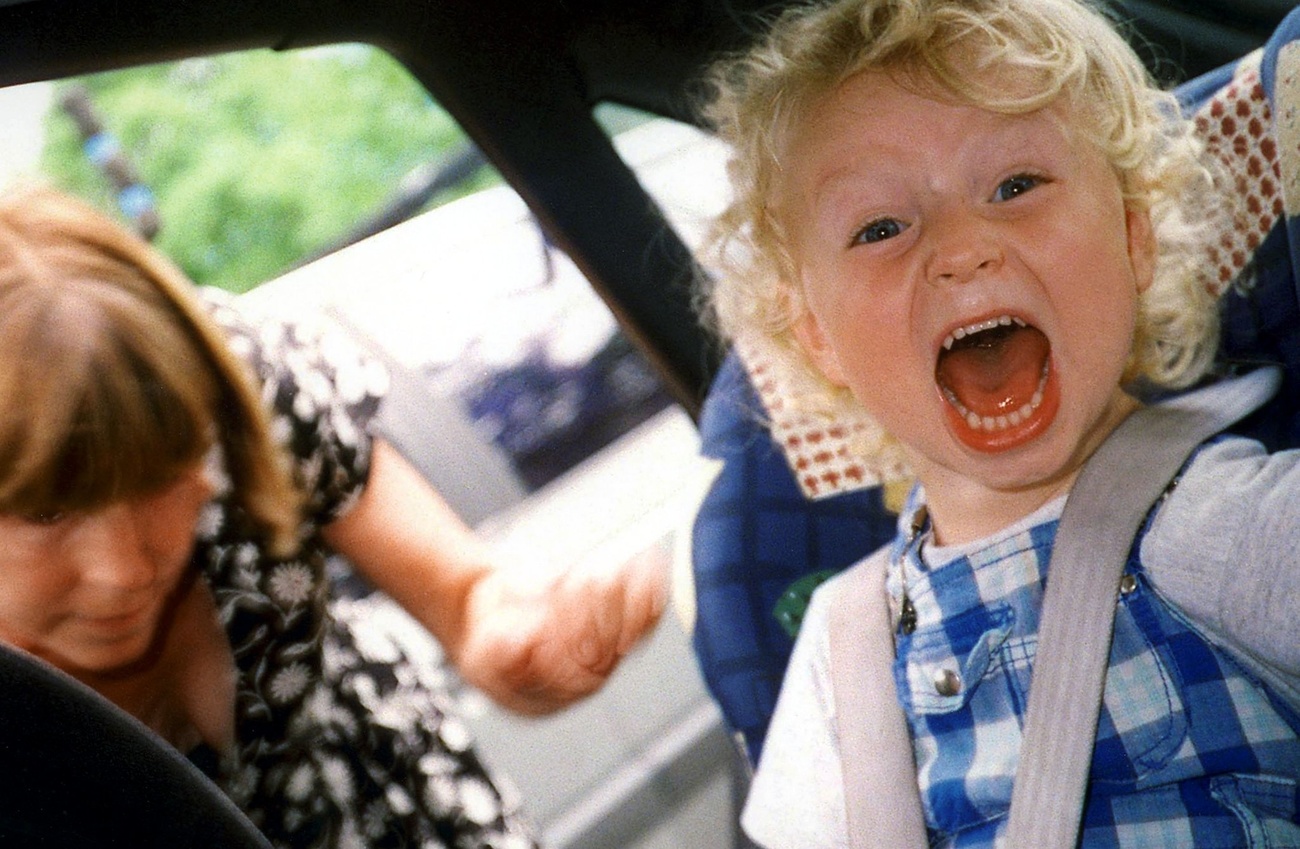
808,331
1141,247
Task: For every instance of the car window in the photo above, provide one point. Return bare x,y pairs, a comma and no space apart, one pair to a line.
682,167
250,167
255,161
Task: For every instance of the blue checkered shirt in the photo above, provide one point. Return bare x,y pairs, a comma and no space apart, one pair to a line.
1191,749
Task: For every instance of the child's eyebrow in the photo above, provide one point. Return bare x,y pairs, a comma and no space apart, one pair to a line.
845,191
1012,140
845,177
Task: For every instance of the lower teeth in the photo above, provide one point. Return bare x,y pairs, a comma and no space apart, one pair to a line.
995,423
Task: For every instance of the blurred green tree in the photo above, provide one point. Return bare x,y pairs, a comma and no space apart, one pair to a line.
259,159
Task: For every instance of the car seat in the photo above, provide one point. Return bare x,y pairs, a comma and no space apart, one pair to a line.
790,505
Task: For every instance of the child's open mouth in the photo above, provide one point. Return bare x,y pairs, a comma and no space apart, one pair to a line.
998,384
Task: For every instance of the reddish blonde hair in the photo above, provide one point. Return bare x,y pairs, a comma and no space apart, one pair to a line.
113,378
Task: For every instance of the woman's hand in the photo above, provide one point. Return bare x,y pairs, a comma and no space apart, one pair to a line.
536,645
533,640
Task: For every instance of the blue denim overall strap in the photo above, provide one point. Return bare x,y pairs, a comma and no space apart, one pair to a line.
1192,750
962,672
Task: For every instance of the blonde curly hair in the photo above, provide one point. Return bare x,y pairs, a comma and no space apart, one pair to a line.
1053,49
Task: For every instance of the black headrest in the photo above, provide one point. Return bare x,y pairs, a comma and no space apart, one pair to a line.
76,772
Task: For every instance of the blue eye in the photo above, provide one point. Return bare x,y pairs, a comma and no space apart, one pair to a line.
1016,186
878,231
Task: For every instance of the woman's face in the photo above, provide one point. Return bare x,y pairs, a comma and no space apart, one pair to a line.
87,591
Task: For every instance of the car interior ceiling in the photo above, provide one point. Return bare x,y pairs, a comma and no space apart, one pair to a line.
522,80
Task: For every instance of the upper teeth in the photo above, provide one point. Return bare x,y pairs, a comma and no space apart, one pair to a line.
980,327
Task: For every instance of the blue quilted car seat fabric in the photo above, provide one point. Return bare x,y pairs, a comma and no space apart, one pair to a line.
756,537
762,538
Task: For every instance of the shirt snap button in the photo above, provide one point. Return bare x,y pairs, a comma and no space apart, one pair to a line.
1127,584
947,682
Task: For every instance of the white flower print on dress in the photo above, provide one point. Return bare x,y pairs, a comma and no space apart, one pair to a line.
290,682
210,520
243,784
321,709
351,838
515,841
397,713
294,818
399,800
374,821
241,346
351,385
281,430
455,735
303,406
441,793
300,783
340,356
317,389
479,802
247,555
374,644
246,574
338,780
292,584
438,763
344,430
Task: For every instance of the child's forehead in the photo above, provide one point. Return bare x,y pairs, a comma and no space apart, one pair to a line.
892,114
1001,89
875,134
958,78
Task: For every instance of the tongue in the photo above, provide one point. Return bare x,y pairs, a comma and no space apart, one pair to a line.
994,372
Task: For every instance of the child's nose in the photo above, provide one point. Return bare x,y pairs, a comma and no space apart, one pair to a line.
111,551
963,245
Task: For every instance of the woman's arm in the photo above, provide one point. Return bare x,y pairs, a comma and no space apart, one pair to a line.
533,642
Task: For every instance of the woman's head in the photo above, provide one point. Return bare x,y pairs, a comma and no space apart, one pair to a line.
115,382
1006,56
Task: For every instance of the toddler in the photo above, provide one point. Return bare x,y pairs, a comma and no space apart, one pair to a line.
980,223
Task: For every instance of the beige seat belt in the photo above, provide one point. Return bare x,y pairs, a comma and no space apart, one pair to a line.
1102,515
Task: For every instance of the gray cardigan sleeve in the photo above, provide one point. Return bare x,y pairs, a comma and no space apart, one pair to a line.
1225,549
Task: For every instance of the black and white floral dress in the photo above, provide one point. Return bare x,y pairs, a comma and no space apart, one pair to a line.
346,737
